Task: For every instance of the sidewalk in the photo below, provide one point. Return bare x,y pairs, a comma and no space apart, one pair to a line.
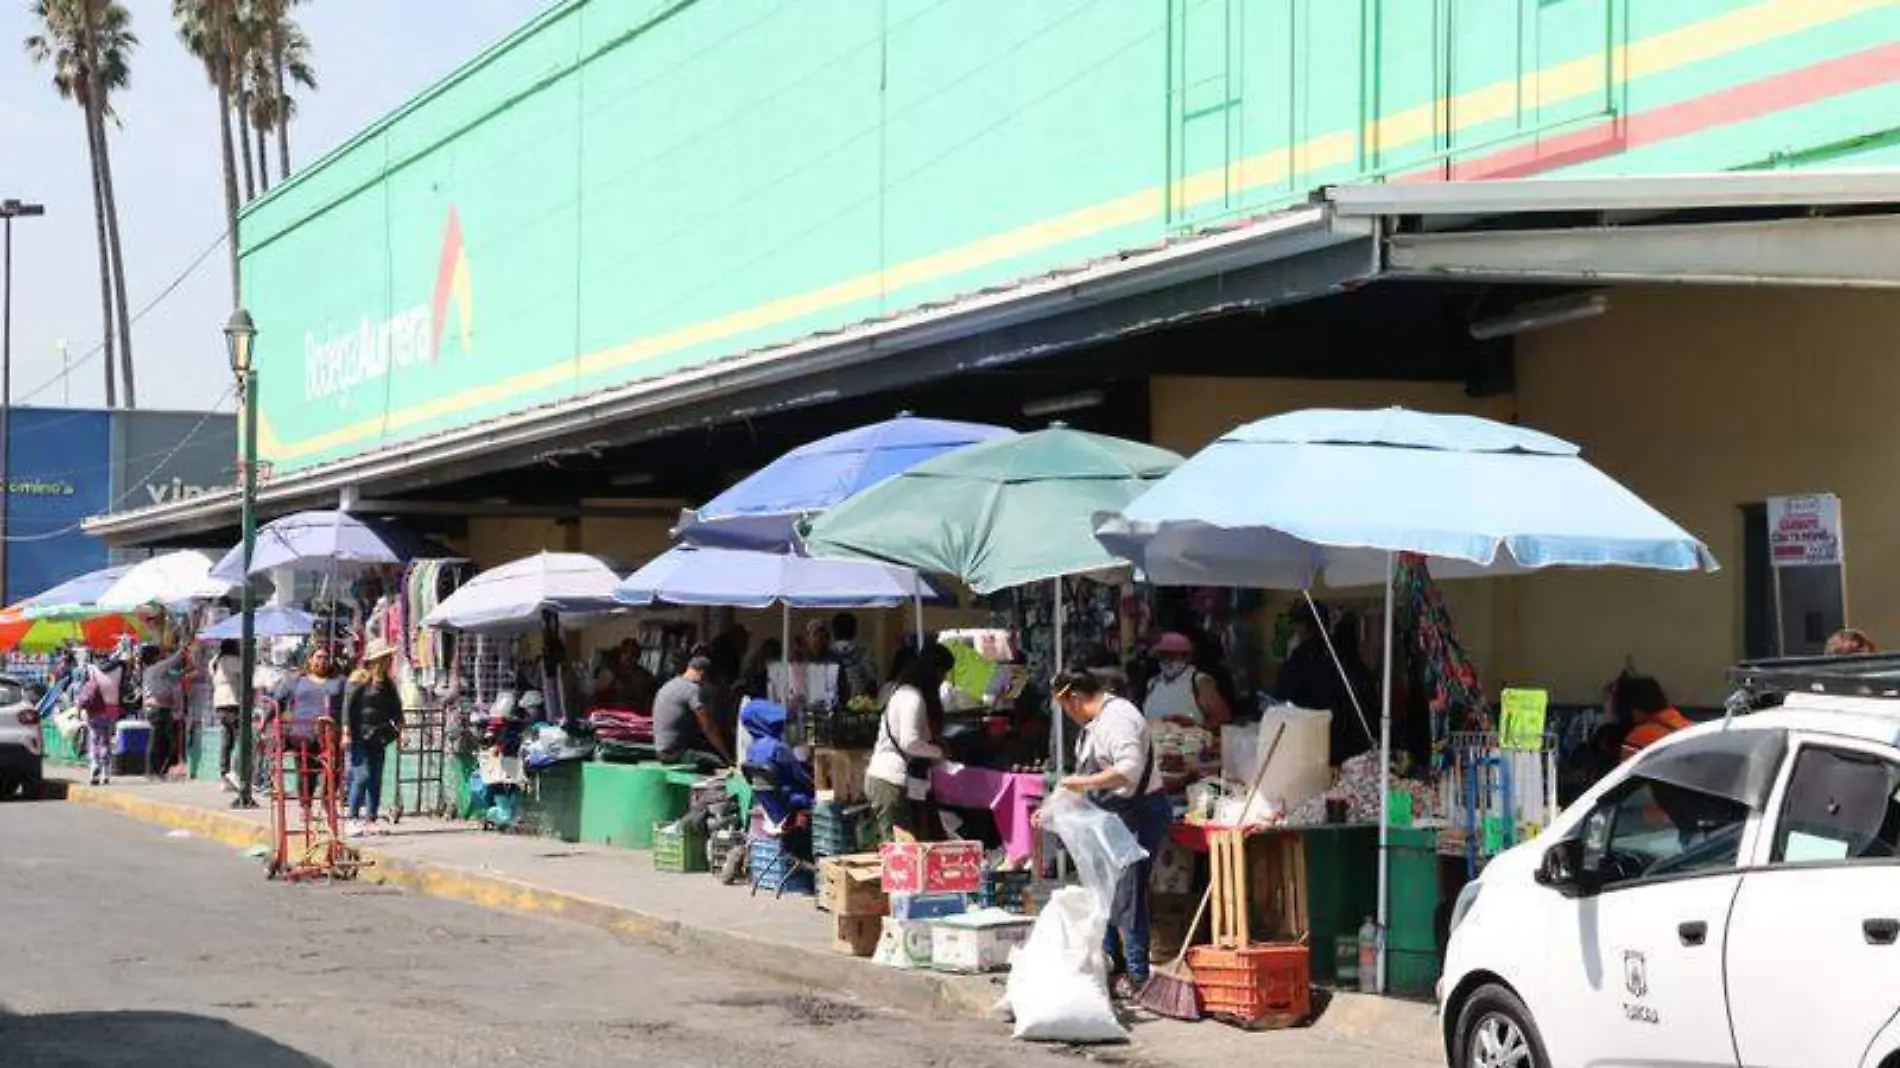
618,890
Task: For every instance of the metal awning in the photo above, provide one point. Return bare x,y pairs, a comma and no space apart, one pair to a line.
1826,228
1287,256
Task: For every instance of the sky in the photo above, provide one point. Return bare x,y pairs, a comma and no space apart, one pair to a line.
370,56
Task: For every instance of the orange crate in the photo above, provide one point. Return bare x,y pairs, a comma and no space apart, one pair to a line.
1261,986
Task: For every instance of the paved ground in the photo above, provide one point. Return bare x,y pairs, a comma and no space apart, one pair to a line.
124,946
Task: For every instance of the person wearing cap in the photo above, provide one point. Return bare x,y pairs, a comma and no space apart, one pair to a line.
685,731
372,719
1181,693
1117,771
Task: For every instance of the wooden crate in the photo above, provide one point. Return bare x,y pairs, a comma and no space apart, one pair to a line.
840,773
1276,878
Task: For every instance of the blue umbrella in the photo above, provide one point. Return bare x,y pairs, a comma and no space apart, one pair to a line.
272,621
76,598
325,541
737,578
1338,494
759,511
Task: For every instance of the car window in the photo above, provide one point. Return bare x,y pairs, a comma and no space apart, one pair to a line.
10,693
1840,806
1648,829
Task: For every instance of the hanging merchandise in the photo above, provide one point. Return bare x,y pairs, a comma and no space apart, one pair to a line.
1451,684
1091,624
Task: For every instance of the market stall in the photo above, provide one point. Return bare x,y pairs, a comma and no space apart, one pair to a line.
1342,496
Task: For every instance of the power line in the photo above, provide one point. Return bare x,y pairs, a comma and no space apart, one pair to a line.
100,347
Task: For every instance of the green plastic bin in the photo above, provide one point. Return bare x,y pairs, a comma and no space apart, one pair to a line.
621,803
1412,923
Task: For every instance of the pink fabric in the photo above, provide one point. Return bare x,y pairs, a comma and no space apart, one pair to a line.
1011,796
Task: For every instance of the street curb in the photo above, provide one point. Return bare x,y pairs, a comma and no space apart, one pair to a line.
926,993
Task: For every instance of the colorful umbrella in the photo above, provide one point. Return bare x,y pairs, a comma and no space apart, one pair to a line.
20,633
76,598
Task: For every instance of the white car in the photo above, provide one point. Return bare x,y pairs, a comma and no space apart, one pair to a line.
20,748
1731,896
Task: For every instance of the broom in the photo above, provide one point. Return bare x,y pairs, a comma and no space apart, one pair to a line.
1170,989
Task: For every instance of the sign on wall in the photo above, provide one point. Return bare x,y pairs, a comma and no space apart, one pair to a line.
1805,531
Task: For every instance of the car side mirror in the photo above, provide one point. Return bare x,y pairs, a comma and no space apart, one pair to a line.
1562,868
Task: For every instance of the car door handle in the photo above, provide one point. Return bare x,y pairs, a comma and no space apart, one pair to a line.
1880,932
1693,933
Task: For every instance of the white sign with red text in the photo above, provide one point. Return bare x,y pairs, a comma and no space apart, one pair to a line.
1805,531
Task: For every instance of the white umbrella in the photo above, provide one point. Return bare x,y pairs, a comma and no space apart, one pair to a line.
174,578
514,596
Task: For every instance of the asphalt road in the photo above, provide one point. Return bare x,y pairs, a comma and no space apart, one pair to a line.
121,946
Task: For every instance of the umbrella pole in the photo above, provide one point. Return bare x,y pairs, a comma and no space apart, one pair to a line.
1385,779
920,619
1062,858
785,648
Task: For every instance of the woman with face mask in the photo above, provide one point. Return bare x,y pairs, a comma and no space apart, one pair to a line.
1179,693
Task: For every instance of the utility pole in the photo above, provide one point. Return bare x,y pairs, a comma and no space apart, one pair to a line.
9,211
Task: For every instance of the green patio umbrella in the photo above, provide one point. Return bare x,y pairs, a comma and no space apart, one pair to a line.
1001,513
998,514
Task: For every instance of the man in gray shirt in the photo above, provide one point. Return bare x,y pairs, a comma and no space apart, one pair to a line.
684,730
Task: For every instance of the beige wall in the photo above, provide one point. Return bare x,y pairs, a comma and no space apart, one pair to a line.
1701,401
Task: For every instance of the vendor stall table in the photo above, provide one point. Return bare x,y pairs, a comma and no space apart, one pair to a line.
1011,796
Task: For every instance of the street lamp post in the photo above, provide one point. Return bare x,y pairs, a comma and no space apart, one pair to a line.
9,210
239,334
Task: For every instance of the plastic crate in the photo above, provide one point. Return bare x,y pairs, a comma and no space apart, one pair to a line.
1264,986
1004,890
678,850
721,845
774,875
838,829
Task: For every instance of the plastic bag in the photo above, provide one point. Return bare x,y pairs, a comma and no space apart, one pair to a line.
1097,840
1058,980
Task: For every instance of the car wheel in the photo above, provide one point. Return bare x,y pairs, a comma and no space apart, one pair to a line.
1495,1031
7,787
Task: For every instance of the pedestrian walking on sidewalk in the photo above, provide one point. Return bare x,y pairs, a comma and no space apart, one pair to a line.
99,699
226,679
372,720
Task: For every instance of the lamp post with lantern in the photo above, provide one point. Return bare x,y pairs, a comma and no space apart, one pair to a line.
239,335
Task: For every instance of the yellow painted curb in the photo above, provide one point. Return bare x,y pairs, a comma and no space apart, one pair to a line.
234,831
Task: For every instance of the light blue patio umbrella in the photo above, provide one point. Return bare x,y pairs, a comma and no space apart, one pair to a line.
328,541
272,621
1334,496
515,596
739,578
76,598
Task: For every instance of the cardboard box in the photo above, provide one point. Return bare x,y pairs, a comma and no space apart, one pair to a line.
977,941
857,936
852,885
933,867
927,906
904,944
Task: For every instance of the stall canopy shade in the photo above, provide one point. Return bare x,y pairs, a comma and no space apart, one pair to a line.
514,596
76,598
737,578
1328,494
759,511
171,579
21,634
271,621
999,514
320,541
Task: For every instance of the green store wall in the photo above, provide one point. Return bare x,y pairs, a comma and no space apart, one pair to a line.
624,188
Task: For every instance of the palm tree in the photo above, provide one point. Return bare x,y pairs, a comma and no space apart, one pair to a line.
290,65
271,108
89,44
246,39
206,28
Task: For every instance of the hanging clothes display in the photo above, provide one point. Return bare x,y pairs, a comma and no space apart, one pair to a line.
1452,692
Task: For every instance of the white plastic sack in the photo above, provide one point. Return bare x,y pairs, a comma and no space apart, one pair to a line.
1097,840
1058,980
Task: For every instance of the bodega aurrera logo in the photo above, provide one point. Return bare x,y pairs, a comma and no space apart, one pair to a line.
374,349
